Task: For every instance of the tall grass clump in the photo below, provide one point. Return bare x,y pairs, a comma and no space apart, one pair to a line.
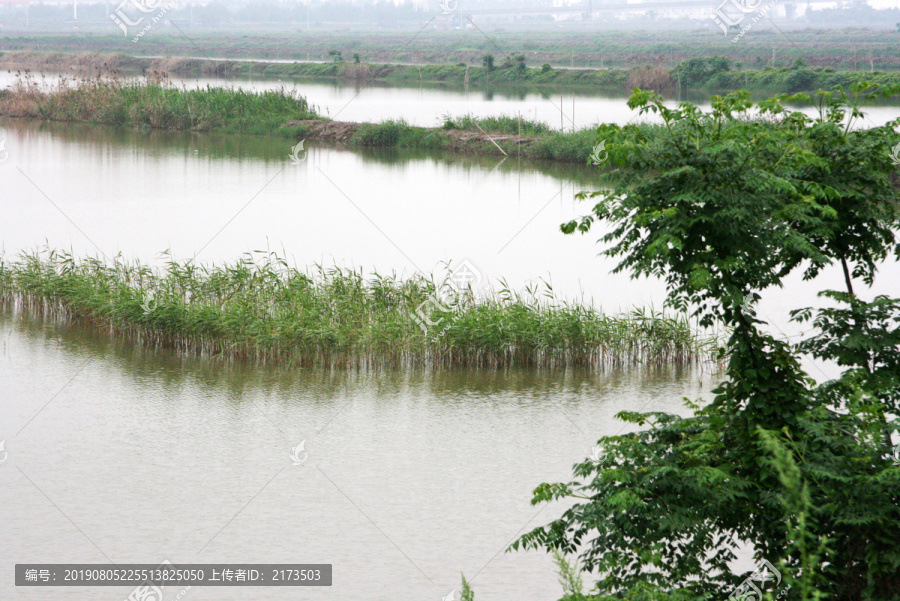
397,133
261,309
574,147
155,103
501,124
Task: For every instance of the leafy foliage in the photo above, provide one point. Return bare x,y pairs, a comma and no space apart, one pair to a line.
722,206
466,592
696,72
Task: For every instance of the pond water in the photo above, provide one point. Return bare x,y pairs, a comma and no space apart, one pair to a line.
427,104
102,191
125,454
413,478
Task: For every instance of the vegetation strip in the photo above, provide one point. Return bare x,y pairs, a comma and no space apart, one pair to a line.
260,309
155,104
852,48
158,104
718,73
468,134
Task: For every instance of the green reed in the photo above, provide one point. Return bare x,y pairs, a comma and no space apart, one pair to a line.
261,309
156,103
397,133
501,124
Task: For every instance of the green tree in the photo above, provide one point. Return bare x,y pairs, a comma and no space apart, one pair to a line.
697,72
521,65
722,207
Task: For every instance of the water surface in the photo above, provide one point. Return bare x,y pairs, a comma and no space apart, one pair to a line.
428,104
131,455
128,454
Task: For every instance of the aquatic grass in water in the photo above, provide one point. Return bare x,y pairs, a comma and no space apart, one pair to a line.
155,103
261,309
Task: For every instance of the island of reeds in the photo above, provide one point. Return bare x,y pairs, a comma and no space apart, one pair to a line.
154,103
259,309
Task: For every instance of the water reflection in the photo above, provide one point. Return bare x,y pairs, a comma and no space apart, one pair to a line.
412,478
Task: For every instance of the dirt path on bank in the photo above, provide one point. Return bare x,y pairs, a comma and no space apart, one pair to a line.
342,132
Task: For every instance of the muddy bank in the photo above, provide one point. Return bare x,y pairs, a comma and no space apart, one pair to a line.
359,134
569,147
157,104
92,63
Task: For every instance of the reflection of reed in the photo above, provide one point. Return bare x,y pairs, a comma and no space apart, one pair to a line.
514,386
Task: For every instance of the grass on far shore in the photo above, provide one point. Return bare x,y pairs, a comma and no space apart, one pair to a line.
260,309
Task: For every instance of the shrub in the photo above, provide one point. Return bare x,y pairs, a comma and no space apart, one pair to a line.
650,77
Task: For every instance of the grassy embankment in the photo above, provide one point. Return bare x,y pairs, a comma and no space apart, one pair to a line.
711,73
157,105
263,310
537,140
789,79
849,49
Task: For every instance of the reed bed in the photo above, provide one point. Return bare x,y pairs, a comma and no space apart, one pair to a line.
397,133
501,124
154,103
259,309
